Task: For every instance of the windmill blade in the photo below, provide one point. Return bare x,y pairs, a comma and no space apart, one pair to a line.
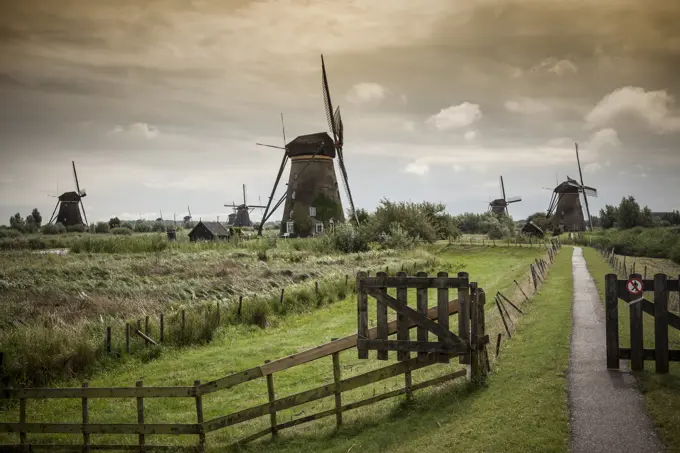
270,146
54,212
267,213
189,209
590,191
283,129
348,192
502,188
513,199
75,176
327,101
244,194
585,195
84,215
339,129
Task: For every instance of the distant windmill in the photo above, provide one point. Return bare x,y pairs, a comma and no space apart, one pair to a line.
187,218
241,218
500,205
565,205
70,204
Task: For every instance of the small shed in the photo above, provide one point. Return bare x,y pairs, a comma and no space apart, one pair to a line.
208,231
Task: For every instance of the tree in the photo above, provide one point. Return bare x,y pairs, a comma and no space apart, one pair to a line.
114,222
629,213
362,215
609,216
646,219
36,217
541,219
17,222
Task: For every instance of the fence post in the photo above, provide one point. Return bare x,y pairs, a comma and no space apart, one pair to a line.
474,332
533,277
108,340
338,394
140,414
464,316
199,416
283,292
184,323
272,398
86,434
612,320
147,330
127,337
481,320
218,313
240,304
381,318
421,307
443,312
661,322
162,335
403,333
362,314
22,419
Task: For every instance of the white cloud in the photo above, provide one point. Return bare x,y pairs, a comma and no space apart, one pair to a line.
366,92
555,66
409,126
418,168
604,138
479,168
651,107
526,106
458,168
138,130
456,116
593,167
470,135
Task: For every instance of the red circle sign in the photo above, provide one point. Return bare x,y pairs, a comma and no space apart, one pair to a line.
634,286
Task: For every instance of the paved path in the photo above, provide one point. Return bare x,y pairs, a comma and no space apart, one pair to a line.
606,411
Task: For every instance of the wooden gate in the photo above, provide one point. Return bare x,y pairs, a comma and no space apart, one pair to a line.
469,342
632,291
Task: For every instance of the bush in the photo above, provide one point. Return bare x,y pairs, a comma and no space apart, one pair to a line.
80,228
142,227
397,238
101,227
121,231
54,228
9,233
114,222
346,238
498,231
649,242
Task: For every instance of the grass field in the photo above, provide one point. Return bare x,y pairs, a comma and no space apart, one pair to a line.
661,392
530,359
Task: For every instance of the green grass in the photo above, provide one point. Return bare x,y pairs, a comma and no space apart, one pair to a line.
661,392
528,385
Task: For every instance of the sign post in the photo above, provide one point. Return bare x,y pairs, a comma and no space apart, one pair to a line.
635,288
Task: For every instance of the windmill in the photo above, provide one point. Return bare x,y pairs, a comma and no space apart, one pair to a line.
312,198
500,205
565,205
241,218
70,204
187,218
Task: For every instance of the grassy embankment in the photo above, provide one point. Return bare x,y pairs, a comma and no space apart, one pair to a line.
661,392
642,242
523,408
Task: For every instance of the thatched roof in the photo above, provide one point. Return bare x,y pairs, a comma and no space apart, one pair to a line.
308,145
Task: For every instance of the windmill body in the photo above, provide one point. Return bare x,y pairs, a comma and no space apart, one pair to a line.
566,210
313,195
500,205
69,205
241,215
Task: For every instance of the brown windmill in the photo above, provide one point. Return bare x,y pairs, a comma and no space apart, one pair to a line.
69,205
500,205
565,208
241,218
312,198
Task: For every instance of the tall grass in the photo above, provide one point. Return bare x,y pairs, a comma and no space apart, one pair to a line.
638,241
42,353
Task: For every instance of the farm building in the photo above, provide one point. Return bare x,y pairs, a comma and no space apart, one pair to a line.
208,231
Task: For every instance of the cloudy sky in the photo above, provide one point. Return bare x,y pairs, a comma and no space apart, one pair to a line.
161,102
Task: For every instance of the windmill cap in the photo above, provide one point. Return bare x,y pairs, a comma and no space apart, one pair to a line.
308,145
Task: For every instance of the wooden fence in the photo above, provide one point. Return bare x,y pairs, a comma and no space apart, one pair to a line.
473,317
617,289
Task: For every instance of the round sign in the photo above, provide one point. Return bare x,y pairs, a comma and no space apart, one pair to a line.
634,286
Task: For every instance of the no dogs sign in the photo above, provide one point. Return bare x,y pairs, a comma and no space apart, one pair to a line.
635,287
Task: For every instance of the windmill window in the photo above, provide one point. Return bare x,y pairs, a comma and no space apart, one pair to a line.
293,195
312,211
319,227
289,227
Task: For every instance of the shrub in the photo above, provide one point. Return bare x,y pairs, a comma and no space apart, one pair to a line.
80,228
142,227
9,233
397,238
346,238
122,231
498,231
54,228
114,222
101,227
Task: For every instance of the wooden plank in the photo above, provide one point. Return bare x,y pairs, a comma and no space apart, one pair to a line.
661,323
140,414
419,318
99,428
199,417
414,346
362,312
421,306
146,337
272,410
672,319
474,333
464,316
22,420
309,355
637,362
415,282
86,417
648,286
650,354
612,320
403,321
356,405
318,393
381,316
443,311
98,392
102,447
